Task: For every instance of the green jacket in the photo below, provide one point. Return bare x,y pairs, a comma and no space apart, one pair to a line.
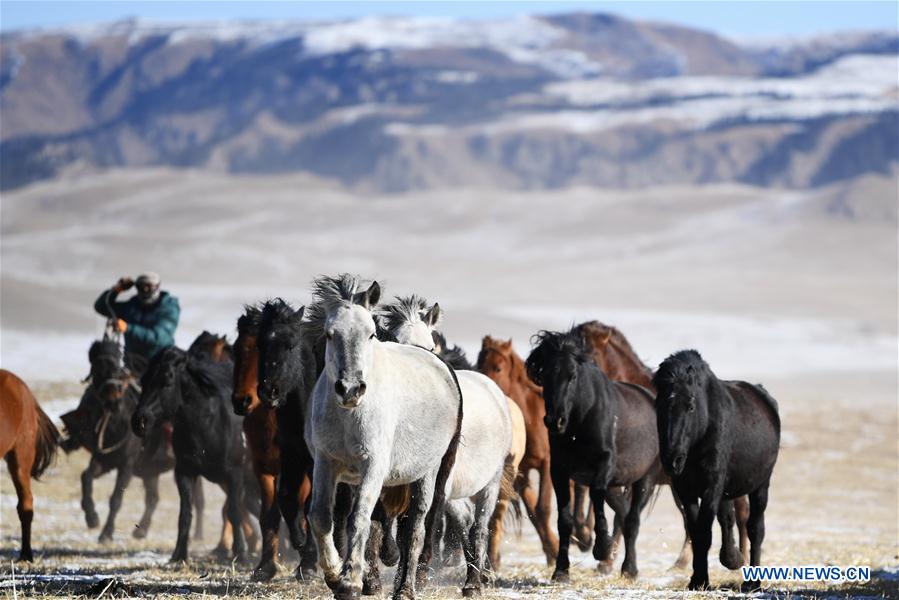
150,328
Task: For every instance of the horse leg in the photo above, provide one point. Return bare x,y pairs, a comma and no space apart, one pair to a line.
151,500
686,551
411,537
357,533
185,485
223,549
455,531
701,536
582,534
309,552
321,519
729,554
290,485
741,508
235,510
371,580
123,477
20,469
92,471
560,480
389,553
343,506
269,522
476,549
640,492
620,502
544,513
495,540
755,526
199,507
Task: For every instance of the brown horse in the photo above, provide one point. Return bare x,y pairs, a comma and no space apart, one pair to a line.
28,441
614,355
498,361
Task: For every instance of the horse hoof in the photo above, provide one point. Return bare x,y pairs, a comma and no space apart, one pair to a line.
584,543
404,593
346,592
561,577
26,556
105,537
371,586
305,573
602,548
264,571
604,567
219,553
389,553
629,572
680,565
748,587
139,533
471,590
698,583
730,558
178,558
93,520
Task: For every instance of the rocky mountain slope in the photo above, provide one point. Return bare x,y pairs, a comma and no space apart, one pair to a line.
394,104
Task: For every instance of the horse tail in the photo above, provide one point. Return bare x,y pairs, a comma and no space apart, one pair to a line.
508,494
46,443
396,499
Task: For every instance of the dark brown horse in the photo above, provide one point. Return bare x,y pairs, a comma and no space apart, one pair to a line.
260,427
616,357
28,441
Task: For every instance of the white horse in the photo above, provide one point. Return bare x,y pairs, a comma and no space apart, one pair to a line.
382,414
484,452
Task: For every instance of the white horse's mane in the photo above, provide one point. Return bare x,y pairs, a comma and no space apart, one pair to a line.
329,294
402,310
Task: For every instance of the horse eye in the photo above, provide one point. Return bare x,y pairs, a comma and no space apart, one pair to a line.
497,369
371,337
329,335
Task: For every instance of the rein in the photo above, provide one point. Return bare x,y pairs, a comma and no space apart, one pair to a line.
129,381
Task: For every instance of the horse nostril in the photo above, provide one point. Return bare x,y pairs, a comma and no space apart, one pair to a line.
361,387
339,387
247,400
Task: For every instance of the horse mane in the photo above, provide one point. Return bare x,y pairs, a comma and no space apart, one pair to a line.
251,318
104,348
545,342
211,376
275,312
402,310
454,356
206,341
329,294
685,367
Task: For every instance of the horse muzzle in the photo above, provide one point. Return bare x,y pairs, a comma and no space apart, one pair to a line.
241,404
350,394
139,424
555,424
270,395
678,463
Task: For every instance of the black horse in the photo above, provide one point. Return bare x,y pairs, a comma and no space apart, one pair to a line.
602,433
454,357
193,391
101,425
718,441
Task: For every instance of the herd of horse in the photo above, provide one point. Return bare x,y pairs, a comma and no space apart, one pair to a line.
353,422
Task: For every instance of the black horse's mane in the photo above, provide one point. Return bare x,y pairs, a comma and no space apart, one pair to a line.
684,366
547,343
213,377
251,318
454,356
274,312
104,348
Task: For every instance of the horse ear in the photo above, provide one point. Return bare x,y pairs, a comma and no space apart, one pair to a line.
507,344
298,314
432,316
369,297
605,340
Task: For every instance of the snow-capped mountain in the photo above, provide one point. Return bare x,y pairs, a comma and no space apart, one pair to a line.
407,103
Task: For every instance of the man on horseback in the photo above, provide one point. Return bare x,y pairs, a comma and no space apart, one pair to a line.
148,320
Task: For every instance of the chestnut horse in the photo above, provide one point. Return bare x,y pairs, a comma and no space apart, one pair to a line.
614,355
28,441
498,361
